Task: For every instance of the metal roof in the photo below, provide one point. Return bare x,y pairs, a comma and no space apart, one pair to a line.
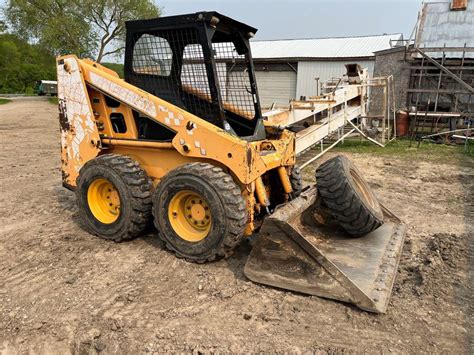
320,48
439,26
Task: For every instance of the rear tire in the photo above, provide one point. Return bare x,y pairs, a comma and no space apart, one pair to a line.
348,196
199,212
130,187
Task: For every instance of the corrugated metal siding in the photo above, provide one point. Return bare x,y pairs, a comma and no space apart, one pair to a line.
308,71
346,47
440,26
277,87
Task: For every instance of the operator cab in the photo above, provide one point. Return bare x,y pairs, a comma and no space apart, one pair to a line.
201,63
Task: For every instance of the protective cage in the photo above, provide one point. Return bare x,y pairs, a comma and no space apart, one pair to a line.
200,62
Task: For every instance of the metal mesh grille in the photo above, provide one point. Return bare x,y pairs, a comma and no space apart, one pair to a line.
173,66
152,55
233,78
194,80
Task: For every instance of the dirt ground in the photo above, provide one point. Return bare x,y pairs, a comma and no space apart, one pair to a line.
63,290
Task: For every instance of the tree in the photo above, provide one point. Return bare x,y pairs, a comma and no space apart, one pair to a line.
22,64
86,28
107,18
56,25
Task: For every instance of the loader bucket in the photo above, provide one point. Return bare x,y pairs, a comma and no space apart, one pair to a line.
300,248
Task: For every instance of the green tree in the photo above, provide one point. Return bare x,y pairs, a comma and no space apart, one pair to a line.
86,28
22,64
116,67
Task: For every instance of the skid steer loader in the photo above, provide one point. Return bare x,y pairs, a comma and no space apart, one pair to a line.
182,142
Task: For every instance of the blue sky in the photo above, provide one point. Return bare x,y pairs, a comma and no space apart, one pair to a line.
310,18
279,19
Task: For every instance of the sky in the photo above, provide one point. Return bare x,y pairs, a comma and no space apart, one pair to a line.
279,19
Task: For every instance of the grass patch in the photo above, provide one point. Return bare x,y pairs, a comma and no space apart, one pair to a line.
400,148
53,100
4,101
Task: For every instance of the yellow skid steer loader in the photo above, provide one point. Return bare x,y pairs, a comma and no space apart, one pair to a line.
181,142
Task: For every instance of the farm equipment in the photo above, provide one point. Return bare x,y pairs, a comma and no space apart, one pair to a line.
182,142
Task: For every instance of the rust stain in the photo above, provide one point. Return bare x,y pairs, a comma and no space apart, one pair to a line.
458,5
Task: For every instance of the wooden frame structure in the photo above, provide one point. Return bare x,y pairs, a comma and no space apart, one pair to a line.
341,111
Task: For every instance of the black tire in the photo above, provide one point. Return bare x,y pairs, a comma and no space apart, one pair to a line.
348,196
296,180
226,205
134,189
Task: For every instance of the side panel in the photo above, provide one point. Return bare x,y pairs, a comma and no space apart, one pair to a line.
157,162
80,139
195,137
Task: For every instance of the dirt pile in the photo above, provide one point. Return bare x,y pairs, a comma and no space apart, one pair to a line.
437,269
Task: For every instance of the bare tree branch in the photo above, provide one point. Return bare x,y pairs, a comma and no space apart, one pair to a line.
117,50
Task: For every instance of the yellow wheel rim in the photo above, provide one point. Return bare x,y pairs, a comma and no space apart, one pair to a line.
190,216
104,201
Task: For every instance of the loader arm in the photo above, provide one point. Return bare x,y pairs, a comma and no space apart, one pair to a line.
194,138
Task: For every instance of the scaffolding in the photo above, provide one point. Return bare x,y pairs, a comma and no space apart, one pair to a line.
440,60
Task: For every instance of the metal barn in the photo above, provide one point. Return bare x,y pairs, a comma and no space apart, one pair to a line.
295,68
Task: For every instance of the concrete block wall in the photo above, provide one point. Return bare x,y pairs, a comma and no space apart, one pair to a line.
391,62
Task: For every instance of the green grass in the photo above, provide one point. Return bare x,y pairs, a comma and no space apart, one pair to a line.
400,148
53,100
4,101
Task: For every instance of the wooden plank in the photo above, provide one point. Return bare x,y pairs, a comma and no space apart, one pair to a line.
307,109
431,67
447,49
442,91
447,71
315,133
437,75
437,114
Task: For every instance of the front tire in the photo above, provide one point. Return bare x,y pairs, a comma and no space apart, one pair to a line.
114,197
199,212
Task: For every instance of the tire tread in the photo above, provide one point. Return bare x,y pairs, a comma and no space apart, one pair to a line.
340,198
140,187
233,202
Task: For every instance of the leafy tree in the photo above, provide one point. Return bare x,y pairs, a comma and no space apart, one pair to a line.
22,64
107,20
54,24
86,28
116,67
